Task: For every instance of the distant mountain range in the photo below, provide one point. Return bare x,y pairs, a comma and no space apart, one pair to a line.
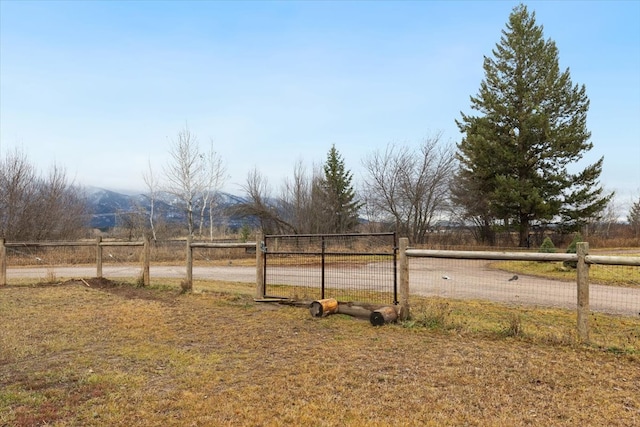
108,207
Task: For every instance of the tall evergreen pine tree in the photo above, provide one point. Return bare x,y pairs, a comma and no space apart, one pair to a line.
514,157
340,206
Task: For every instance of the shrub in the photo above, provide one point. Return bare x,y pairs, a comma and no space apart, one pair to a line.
547,246
571,249
514,328
245,232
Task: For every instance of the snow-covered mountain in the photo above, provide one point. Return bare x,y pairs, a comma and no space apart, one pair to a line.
107,206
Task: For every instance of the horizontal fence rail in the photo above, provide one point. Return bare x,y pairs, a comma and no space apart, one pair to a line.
45,244
510,256
223,245
524,256
613,260
55,244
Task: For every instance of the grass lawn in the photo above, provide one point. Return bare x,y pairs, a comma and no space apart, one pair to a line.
116,355
612,275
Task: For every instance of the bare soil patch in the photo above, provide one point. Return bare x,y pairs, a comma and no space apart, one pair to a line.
122,289
112,354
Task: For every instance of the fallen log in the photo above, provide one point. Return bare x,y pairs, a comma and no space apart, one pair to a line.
323,307
366,305
354,310
383,315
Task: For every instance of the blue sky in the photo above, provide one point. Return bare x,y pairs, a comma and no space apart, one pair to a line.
101,87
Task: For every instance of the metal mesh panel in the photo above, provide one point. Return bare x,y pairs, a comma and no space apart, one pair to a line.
352,267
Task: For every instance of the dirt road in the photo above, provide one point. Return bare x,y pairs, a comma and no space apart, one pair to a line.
472,279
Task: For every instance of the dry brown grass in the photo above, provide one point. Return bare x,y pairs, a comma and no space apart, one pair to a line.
118,355
613,275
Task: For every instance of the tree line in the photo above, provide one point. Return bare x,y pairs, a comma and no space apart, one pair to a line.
509,172
38,207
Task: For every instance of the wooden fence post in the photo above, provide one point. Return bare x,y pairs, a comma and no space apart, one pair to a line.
189,263
145,261
98,257
3,263
582,249
404,279
260,259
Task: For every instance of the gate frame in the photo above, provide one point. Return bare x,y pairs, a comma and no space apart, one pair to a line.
262,255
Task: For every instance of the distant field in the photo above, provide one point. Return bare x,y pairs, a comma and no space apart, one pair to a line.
111,354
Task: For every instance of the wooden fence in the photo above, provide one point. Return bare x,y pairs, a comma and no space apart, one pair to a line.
582,258
98,244
222,245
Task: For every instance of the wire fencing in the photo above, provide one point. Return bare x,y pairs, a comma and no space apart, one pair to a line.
475,279
559,295
49,261
347,267
565,295
614,289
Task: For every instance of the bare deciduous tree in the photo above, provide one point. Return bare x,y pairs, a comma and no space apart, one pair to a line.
184,173
62,209
409,187
17,189
295,198
606,222
152,183
261,206
193,177
214,177
300,199
37,208
320,201
132,222
298,209
470,206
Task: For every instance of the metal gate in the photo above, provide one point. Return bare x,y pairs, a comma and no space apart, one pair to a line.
348,267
